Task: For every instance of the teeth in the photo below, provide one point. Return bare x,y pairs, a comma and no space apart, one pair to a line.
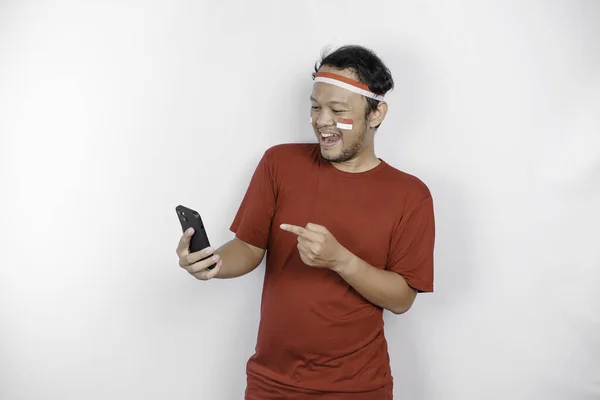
327,134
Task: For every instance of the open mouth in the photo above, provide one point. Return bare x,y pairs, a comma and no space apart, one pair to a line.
329,139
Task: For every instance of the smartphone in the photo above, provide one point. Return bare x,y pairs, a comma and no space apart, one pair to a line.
191,219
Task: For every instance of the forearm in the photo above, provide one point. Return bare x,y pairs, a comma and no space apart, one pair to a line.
383,288
238,259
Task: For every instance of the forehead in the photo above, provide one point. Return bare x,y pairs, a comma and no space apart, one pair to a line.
326,93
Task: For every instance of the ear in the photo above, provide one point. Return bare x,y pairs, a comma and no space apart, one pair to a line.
377,116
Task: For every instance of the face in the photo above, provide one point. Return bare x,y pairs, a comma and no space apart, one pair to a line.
329,103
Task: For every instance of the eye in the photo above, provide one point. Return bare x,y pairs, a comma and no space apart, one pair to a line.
338,111
315,107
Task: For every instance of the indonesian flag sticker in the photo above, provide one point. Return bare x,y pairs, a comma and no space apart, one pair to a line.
345,123
342,123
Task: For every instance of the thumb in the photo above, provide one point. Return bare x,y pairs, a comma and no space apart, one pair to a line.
184,242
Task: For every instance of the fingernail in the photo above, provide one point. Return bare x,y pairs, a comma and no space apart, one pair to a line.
209,250
215,258
283,226
190,231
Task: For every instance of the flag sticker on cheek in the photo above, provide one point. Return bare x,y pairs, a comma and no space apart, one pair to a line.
342,123
345,123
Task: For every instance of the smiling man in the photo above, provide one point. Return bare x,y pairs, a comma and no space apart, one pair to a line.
346,236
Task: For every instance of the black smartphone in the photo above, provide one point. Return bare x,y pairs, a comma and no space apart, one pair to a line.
191,219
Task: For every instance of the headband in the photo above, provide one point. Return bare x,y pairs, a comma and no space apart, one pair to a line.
347,83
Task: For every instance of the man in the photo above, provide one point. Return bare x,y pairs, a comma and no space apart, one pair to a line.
346,236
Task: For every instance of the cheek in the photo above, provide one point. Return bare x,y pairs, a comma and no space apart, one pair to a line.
314,116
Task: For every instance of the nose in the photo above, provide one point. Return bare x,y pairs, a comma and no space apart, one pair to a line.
325,119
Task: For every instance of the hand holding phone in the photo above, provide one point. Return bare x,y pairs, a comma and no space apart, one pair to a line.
194,249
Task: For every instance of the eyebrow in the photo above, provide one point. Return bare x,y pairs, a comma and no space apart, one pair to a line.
341,103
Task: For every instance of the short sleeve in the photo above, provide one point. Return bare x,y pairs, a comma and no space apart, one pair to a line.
412,244
252,222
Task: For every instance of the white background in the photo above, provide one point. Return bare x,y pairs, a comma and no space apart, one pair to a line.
113,114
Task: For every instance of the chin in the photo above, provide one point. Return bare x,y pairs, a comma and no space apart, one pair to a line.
338,156
331,154
329,157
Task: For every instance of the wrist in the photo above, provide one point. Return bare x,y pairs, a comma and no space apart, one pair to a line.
345,263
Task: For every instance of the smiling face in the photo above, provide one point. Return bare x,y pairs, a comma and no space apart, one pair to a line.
343,140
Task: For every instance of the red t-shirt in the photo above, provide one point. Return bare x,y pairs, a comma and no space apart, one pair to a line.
318,337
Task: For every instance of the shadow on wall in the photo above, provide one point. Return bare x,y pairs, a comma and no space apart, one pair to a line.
454,267
406,107
453,283
453,217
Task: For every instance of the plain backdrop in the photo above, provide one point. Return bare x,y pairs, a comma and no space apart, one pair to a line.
113,113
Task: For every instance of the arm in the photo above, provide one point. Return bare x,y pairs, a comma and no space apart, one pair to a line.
235,258
383,288
238,258
410,260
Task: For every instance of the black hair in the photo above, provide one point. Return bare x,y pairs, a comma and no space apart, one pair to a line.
366,64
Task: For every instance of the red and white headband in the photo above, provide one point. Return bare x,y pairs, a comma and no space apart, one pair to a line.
347,83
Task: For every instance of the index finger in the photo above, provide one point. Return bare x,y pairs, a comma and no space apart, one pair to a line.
183,248
298,230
